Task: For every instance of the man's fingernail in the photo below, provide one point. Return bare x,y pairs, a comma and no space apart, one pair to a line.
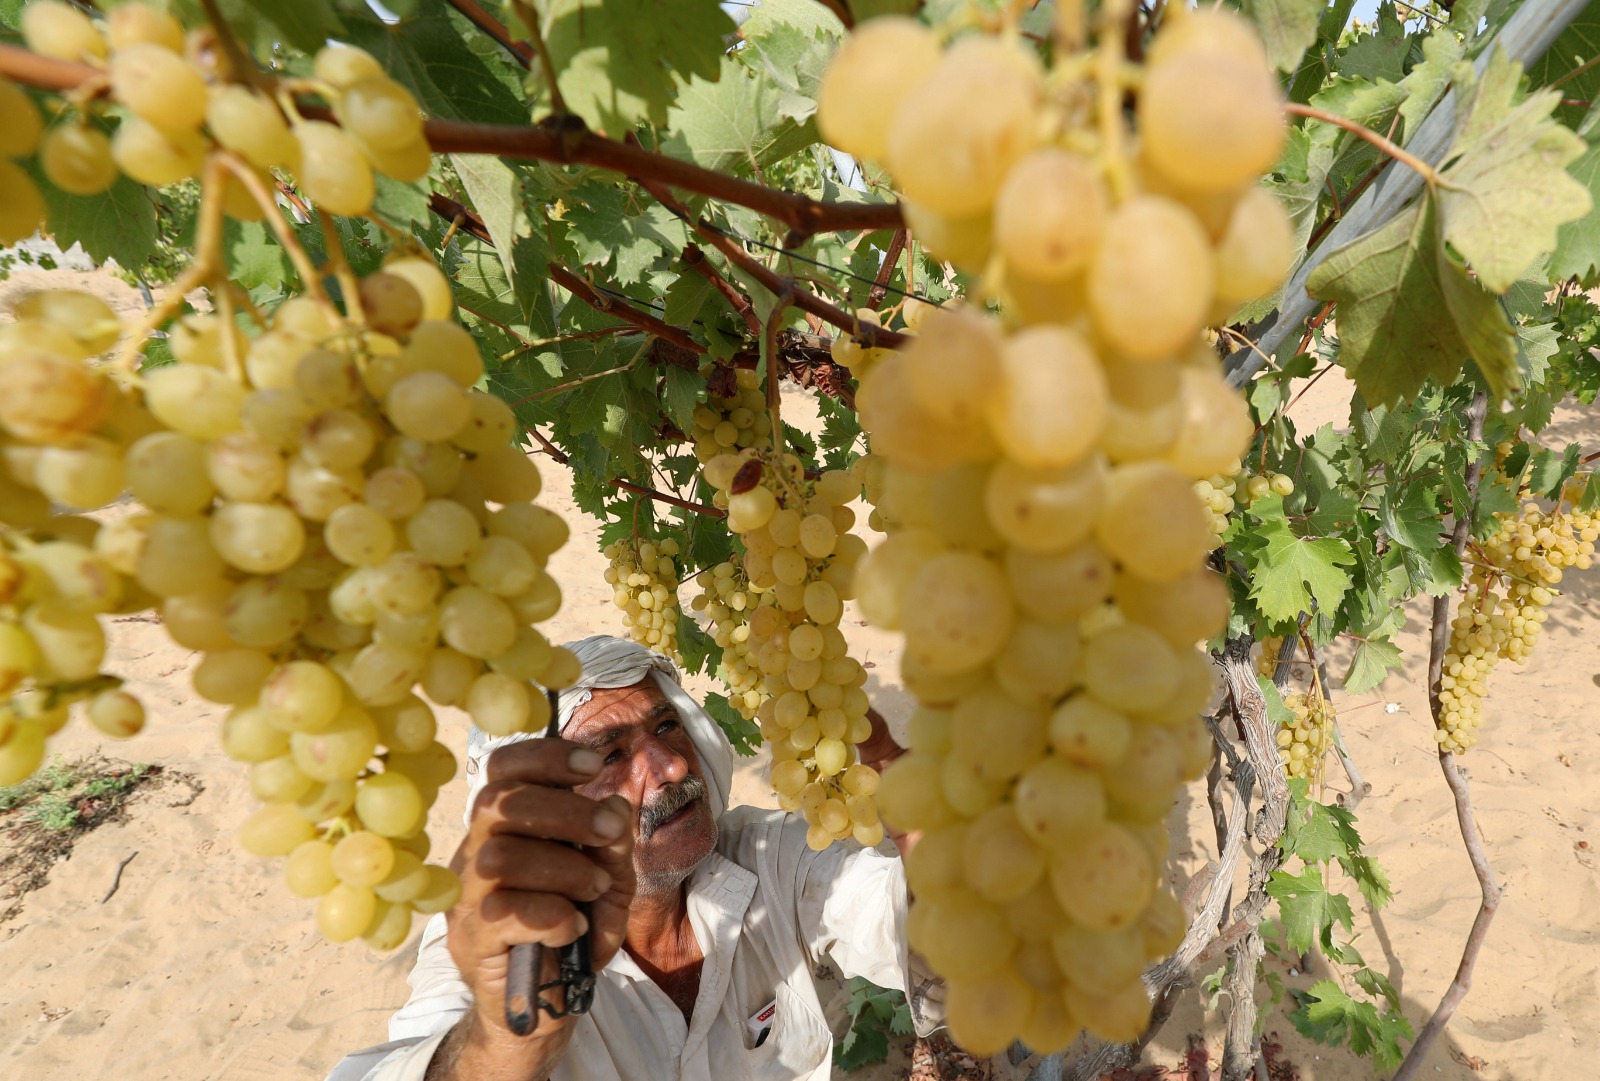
585,761
602,882
583,924
609,824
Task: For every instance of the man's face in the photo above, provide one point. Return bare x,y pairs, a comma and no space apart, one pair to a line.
649,761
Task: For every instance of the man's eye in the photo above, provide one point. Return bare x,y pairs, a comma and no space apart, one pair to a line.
667,725
614,756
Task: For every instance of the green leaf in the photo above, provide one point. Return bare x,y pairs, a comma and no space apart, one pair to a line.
1308,908
791,42
1409,312
616,60
255,258
400,203
1370,665
1278,714
1380,54
1370,878
431,54
1577,250
735,123
744,735
305,24
1290,572
119,223
1287,28
1507,191
1329,1016
495,190
681,393
1319,832
1536,344
611,226
1574,49
1427,81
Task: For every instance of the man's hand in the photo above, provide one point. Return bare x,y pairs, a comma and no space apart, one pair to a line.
520,878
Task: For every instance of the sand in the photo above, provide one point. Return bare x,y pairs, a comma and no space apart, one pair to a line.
202,967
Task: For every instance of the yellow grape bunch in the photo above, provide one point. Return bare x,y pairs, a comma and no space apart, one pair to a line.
312,510
728,600
724,424
1306,737
1511,581
800,558
1046,548
644,576
182,102
1225,491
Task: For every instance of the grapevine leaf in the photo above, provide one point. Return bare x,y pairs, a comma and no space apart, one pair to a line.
495,190
1291,571
1309,909
616,59
1278,714
255,258
1408,311
863,1045
744,736
1569,59
429,52
608,223
1371,664
119,223
681,394
697,648
1370,878
305,24
1385,433
1409,516
1329,1016
1536,344
1287,28
1317,832
401,203
1427,81
1380,54
1377,985
734,123
791,43
1577,251
1507,191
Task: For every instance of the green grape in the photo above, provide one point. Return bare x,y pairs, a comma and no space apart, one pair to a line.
333,170
60,31
258,538
168,472
427,405
159,86
77,159
155,157
442,891
345,911
132,23
1051,400
362,858
71,644
1149,238
339,751
116,713
443,532
1000,861
963,612
380,112
19,135
232,677
274,830
1103,877
309,869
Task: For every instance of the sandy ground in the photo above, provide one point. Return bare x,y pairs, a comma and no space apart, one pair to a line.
202,967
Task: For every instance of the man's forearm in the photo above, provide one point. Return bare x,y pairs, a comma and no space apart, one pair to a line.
474,1053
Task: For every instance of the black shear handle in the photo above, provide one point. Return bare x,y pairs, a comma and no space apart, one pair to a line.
575,973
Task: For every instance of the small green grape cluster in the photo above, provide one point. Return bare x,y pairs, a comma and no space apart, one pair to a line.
1305,739
1225,491
1511,581
730,424
645,576
183,104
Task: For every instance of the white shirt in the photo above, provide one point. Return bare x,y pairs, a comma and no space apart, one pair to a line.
766,911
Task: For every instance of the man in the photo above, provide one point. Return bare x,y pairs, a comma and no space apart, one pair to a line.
706,922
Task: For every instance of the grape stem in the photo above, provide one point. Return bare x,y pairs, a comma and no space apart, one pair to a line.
496,29
207,248
241,65
530,21
310,280
1361,131
696,260
891,259
1456,779
626,312
560,457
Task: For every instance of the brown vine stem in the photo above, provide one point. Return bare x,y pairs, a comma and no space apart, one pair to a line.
560,457
530,19
1361,131
563,141
696,260
240,64
891,259
769,346
1461,793
626,312
494,28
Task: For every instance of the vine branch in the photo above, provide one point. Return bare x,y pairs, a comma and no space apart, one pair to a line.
626,312
562,141
1361,131
696,260
1460,792
560,457
494,28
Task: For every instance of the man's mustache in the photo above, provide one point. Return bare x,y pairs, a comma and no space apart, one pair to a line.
673,798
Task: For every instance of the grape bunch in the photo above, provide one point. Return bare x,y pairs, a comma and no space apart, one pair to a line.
21,206
1229,489
728,600
183,102
1512,578
312,513
645,576
1267,658
64,431
1305,739
1046,547
725,424
801,557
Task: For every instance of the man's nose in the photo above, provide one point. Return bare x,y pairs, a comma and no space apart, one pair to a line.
657,764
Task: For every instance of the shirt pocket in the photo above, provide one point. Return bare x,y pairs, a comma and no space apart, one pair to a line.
798,1045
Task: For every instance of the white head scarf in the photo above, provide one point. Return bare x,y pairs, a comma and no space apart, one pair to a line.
616,662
